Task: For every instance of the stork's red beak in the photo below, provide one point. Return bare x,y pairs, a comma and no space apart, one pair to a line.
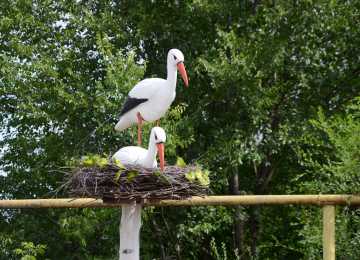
161,148
182,71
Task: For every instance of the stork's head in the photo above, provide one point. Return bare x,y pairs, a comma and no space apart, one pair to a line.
158,136
176,58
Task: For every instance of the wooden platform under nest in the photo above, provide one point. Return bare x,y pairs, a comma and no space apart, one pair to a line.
114,184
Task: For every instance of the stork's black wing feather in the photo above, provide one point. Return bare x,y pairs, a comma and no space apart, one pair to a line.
131,103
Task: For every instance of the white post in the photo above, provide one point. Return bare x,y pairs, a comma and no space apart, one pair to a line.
329,232
130,232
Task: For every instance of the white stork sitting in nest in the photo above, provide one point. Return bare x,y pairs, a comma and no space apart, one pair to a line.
138,156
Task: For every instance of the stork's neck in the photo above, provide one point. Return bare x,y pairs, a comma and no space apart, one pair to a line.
171,75
151,154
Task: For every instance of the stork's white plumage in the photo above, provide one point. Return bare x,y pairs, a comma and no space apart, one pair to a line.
151,98
134,155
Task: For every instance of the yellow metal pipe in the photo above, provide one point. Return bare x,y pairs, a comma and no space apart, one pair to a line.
194,201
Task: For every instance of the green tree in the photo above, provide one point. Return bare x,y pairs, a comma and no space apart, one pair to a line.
59,98
337,171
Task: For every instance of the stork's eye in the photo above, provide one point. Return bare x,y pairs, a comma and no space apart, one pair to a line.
156,137
175,57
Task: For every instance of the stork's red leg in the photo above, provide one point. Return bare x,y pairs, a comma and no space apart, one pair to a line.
140,120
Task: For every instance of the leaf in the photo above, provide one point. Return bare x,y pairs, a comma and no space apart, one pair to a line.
205,180
158,173
117,175
118,164
96,158
190,176
132,175
180,162
102,162
202,177
87,161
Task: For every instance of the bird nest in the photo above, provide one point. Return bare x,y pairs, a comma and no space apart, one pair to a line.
125,184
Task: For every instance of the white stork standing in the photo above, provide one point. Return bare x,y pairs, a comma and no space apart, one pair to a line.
151,98
131,214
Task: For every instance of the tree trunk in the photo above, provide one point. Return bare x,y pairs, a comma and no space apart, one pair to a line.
254,229
238,220
174,240
130,232
159,238
254,6
264,174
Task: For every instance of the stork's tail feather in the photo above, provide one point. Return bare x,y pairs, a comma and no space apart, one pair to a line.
122,124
